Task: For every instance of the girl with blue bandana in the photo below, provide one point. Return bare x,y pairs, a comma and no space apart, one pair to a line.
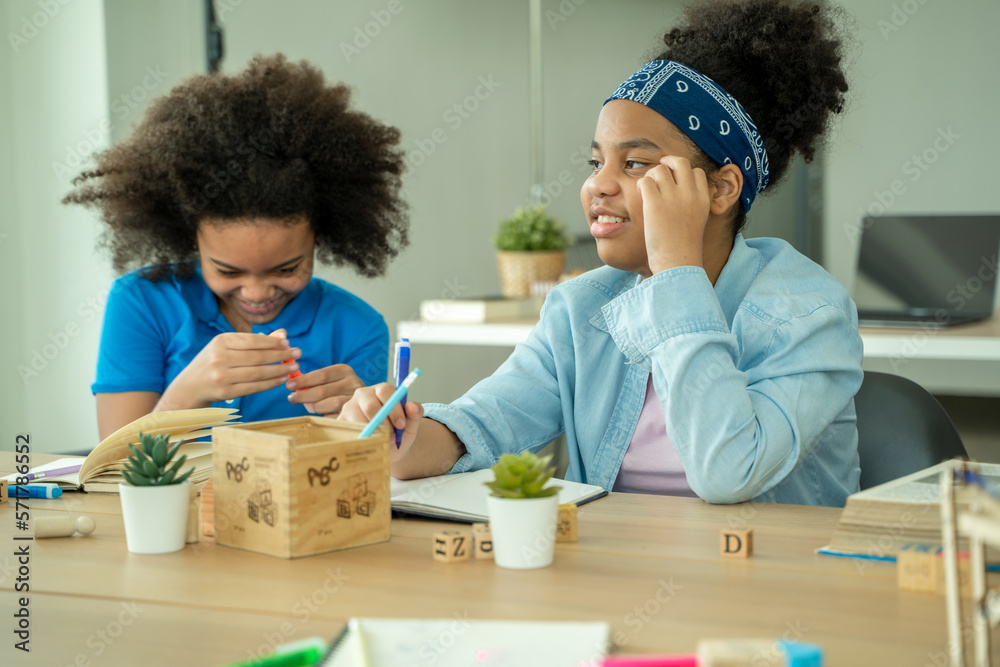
697,362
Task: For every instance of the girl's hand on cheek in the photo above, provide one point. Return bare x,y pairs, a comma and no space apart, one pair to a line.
675,209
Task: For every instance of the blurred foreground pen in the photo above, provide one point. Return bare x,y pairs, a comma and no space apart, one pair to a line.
302,653
390,404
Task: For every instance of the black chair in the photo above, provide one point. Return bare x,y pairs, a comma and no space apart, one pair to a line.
902,429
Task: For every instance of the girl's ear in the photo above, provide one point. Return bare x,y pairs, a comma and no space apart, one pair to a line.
726,187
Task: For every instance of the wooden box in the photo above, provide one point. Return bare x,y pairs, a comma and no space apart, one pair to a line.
300,486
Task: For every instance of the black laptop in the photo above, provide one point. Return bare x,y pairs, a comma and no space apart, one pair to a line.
927,270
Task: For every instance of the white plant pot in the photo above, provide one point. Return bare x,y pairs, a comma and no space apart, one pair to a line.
523,531
155,517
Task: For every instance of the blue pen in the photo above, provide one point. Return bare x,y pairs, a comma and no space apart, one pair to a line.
36,491
390,404
401,368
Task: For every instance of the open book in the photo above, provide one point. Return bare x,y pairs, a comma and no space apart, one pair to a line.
389,642
878,521
101,469
462,496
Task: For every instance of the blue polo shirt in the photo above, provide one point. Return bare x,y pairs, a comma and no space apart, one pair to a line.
153,330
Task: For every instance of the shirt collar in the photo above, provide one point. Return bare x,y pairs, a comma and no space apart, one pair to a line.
736,277
296,317
732,285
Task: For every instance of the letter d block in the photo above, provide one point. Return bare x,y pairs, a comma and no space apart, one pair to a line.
451,546
482,541
736,543
566,526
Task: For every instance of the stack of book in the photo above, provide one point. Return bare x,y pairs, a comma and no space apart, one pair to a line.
476,311
877,522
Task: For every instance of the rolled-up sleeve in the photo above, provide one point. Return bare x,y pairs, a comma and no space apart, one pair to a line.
517,408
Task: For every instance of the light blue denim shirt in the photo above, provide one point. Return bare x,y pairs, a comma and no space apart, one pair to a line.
757,378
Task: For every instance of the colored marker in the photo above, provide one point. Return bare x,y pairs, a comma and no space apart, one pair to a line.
36,491
55,472
291,376
300,653
401,370
650,661
390,404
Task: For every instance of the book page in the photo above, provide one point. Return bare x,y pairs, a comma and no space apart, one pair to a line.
461,641
923,486
178,424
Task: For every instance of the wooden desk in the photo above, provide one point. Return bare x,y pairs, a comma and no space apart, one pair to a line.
963,360
647,565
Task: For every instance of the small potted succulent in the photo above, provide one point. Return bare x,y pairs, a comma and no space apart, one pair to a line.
155,497
523,511
531,247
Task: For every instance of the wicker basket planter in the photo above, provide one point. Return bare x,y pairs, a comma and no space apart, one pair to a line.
518,269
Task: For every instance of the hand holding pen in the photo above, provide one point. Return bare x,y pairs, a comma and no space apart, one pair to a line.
373,405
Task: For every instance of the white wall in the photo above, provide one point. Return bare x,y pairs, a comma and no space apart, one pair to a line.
60,101
11,295
151,46
925,87
55,100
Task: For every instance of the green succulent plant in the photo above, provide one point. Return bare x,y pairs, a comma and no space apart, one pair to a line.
530,228
523,475
150,463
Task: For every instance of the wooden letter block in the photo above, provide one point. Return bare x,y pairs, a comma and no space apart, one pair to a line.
917,568
566,525
207,512
451,546
736,543
482,541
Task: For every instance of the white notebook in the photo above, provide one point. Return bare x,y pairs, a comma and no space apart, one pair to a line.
460,642
462,496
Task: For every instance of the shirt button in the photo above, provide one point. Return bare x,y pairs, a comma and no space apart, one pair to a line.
230,401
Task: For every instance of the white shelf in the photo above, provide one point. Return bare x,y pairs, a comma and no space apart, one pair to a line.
963,359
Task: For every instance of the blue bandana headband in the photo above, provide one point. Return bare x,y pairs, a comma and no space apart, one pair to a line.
706,113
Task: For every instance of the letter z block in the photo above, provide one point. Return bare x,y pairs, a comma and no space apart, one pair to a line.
452,546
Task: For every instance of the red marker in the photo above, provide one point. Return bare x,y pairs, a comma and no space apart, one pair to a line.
293,375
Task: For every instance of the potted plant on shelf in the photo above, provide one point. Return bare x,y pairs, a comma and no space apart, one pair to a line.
531,246
523,511
155,497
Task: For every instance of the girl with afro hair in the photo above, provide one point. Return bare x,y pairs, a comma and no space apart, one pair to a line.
216,206
697,362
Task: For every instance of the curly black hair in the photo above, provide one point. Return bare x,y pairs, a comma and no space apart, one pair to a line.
271,142
781,60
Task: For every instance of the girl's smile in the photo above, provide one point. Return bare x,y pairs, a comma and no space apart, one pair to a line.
255,267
